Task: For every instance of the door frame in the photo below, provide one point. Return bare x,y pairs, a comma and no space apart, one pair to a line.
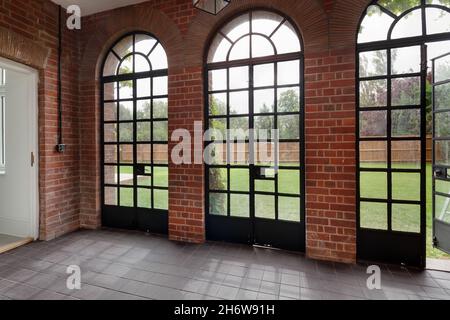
33,138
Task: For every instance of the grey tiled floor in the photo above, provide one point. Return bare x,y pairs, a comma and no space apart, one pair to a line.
128,265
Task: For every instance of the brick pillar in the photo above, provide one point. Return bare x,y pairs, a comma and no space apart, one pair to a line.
330,156
186,182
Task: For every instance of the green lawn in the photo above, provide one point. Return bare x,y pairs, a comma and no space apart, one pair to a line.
373,185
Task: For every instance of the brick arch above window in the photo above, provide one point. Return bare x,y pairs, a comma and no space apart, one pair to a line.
20,49
123,21
308,16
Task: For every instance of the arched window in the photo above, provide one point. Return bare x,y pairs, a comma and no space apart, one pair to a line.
255,81
135,134
396,40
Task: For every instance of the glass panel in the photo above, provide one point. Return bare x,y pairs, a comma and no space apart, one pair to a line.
289,100
111,65
237,27
265,207
261,47
218,179
289,72
144,131
219,49
144,87
289,127
373,63
406,60
406,154
240,205
442,124
442,95
144,198
443,186
406,218
373,154
289,154
442,67
144,43
126,111
110,154
110,111
241,49
264,186
442,210
124,47
286,39
375,25
264,101
265,123
265,154
126,132
161,176
373,185
126,65
397,7
158,58
409,26
160,131
143,110
144,181
217,80
264,75
239,102
240,180
442,153
126,154
111,174
218,104
406,123
218,203
373,124
161,154
406,186
111,196
239,153
144,153
218,129
161,199
239,78
160,108
289,181
373,216
110,91
216,154
126,175
126,197
160,86
125,90
239,129
141,64
110,132
265,22
406,91
289,209
437,21
444,3
373,93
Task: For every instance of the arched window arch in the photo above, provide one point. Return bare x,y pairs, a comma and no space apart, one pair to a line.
255,81
135,134
396,41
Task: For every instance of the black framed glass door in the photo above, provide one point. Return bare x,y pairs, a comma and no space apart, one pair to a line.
441,152
135,135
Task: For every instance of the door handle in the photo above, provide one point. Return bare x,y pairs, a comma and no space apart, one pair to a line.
32,159
440,173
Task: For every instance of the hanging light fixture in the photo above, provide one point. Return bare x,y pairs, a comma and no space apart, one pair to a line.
211,6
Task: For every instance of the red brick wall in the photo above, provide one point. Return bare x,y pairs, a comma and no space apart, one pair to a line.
28,34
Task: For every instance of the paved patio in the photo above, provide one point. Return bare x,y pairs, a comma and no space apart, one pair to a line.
130,265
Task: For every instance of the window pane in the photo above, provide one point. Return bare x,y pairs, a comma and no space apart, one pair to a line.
406,154
237,27
126,154
406,123
373,124
110,133
239,102
239,153
144,131
442,66
145,181
158,58
110,154
126,132
373,63
286,39
239,78
219,49
124,47
241,49
111,65
373,216
406,60
288,100
160,108
144,153
126,65
264,101
110,91
443,186
373,93
406,91
218,203
216,154
239,128
144,43
442,210
143,110
264,75
265,22
409,26
111,174
160,86
289,72
289,127
240,180
125,90
375,25
111,196
161,199
160,154
397,7
406,218
161,176
289,181
240,206
110,111
218,104
406,186
373,185
289,209
437,21
261,47
264,186
218,129
218,179
126,111
265,206
126,175
126,197
144,87
141,64
442,125
442,152
289,154
160,131
373,154
145,198
218,80
442,94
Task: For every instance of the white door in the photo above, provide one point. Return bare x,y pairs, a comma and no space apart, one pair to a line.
18,175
